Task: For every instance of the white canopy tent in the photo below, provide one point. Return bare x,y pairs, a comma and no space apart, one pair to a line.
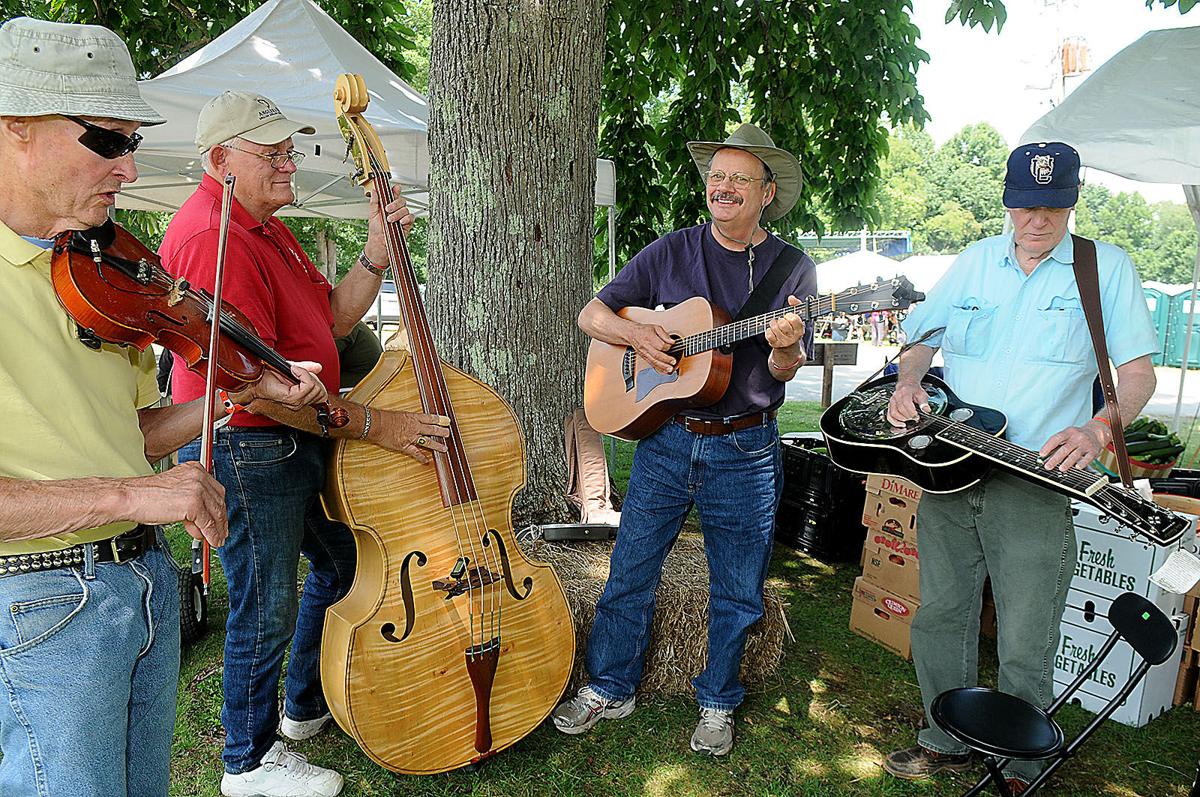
293,52
1138,116
864,267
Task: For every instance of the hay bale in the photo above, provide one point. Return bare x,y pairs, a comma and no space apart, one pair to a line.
678,638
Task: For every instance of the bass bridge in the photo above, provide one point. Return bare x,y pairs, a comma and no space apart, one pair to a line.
464,578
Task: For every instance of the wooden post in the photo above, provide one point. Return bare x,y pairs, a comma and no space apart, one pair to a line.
827,380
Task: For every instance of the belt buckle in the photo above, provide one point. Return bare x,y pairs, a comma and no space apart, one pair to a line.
116,550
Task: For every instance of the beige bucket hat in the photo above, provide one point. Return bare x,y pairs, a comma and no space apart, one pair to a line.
241,114
79,70
748,137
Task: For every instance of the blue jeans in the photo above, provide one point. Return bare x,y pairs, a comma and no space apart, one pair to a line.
1021,534
272,480
734,482
89,669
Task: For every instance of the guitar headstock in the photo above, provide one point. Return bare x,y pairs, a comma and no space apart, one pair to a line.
897,293
1158,524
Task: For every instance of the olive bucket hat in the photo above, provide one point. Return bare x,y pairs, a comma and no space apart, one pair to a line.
51,68
785,166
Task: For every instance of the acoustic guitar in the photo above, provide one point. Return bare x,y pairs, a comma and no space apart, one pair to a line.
625,397
955,444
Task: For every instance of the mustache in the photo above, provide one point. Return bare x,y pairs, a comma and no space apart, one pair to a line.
718,196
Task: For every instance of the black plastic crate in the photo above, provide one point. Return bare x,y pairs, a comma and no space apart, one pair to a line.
1182,481
821,509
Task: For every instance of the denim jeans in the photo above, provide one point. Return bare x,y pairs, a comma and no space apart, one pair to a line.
1022,535
89,669
272,481
734,482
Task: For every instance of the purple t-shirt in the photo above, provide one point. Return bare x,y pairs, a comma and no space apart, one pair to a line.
690,262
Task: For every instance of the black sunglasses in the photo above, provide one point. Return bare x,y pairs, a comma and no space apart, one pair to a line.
110,144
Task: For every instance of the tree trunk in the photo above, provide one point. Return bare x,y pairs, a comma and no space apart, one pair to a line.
514,102
326,254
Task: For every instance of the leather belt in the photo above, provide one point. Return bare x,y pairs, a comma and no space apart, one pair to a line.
724,425
121,548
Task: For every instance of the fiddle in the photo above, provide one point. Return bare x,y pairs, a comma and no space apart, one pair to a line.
117,291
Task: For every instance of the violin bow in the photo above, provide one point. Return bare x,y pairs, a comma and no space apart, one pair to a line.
201,549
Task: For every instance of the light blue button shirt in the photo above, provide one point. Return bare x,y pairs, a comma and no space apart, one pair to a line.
1020,344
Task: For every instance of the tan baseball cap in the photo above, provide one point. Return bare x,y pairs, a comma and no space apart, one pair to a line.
79,70
241,114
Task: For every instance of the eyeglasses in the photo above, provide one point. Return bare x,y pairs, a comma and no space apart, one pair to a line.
277,159
110,144
740,180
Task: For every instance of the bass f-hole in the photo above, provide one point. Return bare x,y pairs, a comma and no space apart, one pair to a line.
388,630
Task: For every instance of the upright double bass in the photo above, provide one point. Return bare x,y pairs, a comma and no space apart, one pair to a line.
450,645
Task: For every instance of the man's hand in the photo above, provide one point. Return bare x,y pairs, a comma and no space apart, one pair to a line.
906,400
274,387
651,342
1075,446
397,212
416,434
786,332
184,493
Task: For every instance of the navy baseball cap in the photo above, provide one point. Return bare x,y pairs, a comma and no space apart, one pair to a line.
1042,175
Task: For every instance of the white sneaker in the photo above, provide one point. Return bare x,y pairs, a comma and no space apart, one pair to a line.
299,730
282,773
714,732
587,708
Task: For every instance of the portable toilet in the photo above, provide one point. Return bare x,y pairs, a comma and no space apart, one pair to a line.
1177,324
1159,301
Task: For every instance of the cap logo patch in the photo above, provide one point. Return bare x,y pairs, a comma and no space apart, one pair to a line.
268,109
1042,168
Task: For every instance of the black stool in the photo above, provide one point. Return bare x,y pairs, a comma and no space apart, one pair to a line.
1002,727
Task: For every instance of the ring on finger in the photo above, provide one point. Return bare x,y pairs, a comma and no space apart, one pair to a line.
422,440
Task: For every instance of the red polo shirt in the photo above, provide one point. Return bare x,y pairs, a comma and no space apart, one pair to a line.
267,276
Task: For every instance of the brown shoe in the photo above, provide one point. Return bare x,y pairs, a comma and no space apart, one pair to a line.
1016,786
918,763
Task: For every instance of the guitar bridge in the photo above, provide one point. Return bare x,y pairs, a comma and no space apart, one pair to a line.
628,364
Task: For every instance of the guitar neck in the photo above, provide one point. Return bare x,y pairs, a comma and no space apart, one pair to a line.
808,309
1076,483
1127,506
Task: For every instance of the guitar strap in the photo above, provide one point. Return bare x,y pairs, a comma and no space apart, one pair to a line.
765,292
1088,279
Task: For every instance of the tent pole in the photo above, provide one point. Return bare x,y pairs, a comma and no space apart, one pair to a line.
612,243
1192,192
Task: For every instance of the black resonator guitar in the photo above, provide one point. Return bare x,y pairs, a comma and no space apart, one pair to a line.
955,444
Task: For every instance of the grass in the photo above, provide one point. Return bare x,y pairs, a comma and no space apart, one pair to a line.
820,728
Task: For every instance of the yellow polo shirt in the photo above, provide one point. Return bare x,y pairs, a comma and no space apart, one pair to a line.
67,411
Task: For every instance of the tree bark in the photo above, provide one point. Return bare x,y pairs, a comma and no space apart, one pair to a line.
514,103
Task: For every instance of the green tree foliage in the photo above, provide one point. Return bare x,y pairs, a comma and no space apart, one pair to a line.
947,196
1160,238
985,13
820,77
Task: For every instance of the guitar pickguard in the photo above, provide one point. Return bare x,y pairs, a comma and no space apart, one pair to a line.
647,379
864,416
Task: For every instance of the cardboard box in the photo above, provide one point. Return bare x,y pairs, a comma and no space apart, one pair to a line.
891,506
883,617
1078,646
1111,560
892,571
891,543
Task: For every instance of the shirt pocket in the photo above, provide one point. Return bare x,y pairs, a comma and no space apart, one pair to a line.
1059,333
969,328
